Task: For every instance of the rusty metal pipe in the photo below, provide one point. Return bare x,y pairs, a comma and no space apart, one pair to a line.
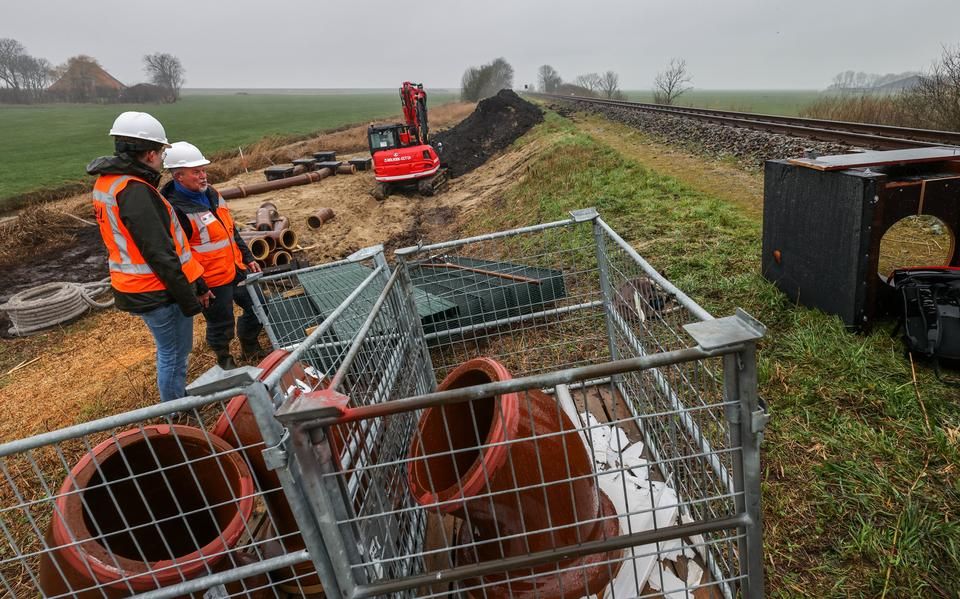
266,214
281,223
256,188
316,220
268,236
259,247
524,486
104,534
279,258
346,169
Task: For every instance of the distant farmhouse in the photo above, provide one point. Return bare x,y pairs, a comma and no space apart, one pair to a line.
85,81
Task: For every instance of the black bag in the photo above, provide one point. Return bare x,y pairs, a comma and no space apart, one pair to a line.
930,316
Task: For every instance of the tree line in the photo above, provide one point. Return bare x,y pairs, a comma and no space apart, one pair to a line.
927,100
668,85
26,79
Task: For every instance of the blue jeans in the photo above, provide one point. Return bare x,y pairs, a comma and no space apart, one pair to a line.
173,334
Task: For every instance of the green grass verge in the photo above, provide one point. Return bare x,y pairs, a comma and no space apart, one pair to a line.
49,145
859,496
787,102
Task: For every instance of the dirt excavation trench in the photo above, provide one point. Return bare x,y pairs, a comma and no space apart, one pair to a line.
76,254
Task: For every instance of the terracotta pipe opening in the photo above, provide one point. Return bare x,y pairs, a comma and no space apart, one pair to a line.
516,469
316,220
287,239
174,468
280,257
259,247
110,519
447,465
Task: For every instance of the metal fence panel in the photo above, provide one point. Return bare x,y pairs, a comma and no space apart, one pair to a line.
146,500
617,468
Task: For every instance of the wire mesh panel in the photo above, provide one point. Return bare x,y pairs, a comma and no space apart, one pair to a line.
386,359
624,464
532,299
147,500
688,433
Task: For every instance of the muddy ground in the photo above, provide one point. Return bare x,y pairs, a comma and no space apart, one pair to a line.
122,345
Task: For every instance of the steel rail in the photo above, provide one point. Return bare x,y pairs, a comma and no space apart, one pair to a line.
869,134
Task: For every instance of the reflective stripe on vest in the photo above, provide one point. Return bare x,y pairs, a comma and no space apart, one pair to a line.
129,271
213,241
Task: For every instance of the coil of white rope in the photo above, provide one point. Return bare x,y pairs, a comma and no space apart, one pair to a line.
46,305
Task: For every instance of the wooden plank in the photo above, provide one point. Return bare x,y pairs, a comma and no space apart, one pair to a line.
880,158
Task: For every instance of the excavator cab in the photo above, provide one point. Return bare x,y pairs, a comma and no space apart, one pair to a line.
389,137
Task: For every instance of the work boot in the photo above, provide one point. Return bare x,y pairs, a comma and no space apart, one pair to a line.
225,360
251,349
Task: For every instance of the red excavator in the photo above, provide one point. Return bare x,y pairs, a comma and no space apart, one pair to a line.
401,154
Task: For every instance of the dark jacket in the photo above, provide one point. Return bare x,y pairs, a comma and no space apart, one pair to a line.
144,215
183,205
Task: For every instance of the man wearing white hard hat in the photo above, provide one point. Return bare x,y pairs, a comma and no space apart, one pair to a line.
217,244
153,272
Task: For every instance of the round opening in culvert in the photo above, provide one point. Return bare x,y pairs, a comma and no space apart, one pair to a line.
915,241
153,501
451,437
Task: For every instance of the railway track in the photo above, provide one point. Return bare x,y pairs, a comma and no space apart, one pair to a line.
857,134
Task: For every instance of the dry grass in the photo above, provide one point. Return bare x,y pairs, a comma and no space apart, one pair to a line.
39,226
915,241
881,109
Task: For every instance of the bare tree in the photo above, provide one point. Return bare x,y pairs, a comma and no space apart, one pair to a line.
671,83
166,71
486,80
12,53
610,85
36,74
936,99
23,76
590,81
548,79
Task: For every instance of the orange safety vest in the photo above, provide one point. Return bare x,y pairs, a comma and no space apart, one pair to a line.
214,246
129,272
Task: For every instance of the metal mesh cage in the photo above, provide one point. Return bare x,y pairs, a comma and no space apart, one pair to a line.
535,412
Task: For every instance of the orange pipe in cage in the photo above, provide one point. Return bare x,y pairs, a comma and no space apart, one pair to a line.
516,469
238,427
133,513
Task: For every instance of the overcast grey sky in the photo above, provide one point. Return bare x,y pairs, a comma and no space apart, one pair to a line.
730,44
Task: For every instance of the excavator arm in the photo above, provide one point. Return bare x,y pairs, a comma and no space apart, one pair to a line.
414,101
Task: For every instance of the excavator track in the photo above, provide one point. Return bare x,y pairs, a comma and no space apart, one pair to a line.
431,186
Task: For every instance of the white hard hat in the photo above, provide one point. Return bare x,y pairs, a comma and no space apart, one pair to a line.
139,125
183,155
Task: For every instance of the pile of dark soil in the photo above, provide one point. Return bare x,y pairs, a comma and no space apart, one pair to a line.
493,126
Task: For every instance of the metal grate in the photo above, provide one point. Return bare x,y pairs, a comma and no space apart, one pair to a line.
614,463
535,412
145,500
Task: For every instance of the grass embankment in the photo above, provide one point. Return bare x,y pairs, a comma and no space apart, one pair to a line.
49,145
787,102
861,483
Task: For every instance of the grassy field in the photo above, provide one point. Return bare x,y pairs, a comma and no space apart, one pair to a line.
49,145
861,488
776,101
